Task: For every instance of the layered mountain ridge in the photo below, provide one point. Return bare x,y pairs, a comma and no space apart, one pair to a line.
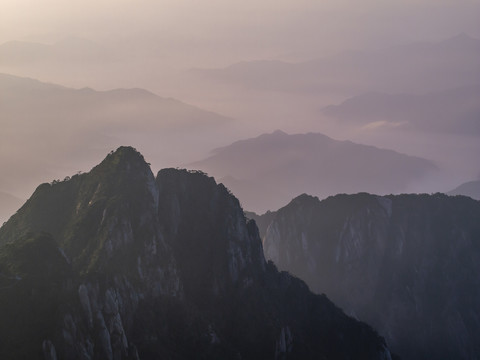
119,264
88,123
453,111
267,171
470,188
451,63
407,264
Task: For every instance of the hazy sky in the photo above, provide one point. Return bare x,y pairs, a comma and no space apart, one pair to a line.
150,43
220,31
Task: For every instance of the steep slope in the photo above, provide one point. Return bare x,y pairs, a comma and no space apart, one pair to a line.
267,171
262,221
105,230
8,205
143,268
471,188
407,264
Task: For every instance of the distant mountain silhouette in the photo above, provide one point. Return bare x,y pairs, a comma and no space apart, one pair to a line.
24,98
85,123
452,111
418,67
266,171
471,188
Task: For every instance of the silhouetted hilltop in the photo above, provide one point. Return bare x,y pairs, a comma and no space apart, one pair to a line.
453,111
414,68
267,171
470,188
118,264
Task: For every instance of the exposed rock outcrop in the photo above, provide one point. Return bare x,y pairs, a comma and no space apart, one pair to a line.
137,267
407,264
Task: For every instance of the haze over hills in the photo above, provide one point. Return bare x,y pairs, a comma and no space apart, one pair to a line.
85,122
267,171
450,111
407,264
68,50
414,68
74,61
470,188
118,264
265,90
114,109
291,96
271,94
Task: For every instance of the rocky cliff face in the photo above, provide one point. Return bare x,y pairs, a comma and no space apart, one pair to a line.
406,264
118,264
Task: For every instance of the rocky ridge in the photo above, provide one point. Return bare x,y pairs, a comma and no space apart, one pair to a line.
119,264
406,264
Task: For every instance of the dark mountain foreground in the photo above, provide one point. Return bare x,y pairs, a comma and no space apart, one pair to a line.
118,264
406,264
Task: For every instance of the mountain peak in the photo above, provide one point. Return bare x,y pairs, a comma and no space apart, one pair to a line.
124,158
305,198
151,267
127,151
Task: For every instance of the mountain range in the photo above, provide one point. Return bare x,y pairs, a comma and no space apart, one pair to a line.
413,68
119,264
88,123
407,264
470,188
117,110
449,111
291,95
267,171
